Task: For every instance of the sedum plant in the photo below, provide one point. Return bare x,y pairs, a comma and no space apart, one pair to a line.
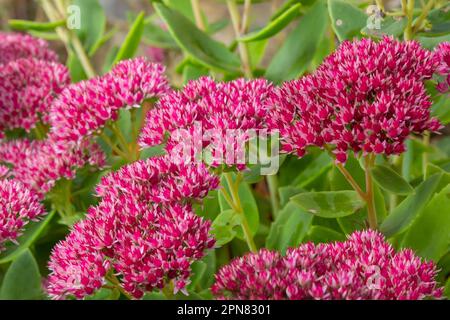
320,171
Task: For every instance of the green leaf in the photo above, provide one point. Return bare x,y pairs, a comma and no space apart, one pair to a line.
196,43
320,234
358,221
286,193
329,204
429,234
248,203
75,68
447,289
346,19
22,280
441,109
439,19
223,227
390,180
152,152
155,36
193,72
431,42
289,228
339,182
182,6
293,58
403,215
256,52
92,24
49,36
132,40
105,38
388,26
32,232
274,26
314,170
25,25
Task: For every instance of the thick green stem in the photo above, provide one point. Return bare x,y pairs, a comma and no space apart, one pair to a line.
272,183
426,142
198,15
237,206
380,4
370,196
246,16
409,10
351,181
69,38
243,50
425,10
113,279
114,147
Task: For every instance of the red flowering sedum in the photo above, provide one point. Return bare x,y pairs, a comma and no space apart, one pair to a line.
83,109
367,96
27,89
236,105
363,267
443,54
14,46
144,232
38,164
18,206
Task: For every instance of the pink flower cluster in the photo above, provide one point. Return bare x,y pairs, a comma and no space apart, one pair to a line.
443,52
144,232
38,165
236,105
363,267
14,46
18,206
367,96
27,89
84,109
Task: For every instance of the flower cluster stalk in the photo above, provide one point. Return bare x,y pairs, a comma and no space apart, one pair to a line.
235,202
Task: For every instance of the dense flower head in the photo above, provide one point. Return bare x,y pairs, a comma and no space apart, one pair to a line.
18,206
84,108
159,180
367,96
216,107
363,267
27,89
144,232
77,270
443,54
38,164
14,46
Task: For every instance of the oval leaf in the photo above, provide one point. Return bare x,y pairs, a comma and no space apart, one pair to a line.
196,43
320,234
346,19
429,235
248,203
289,228
132,40
390,180
22,280
274,26
223,227
298,50
403,215
32,232
329,204
25,25
92,24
